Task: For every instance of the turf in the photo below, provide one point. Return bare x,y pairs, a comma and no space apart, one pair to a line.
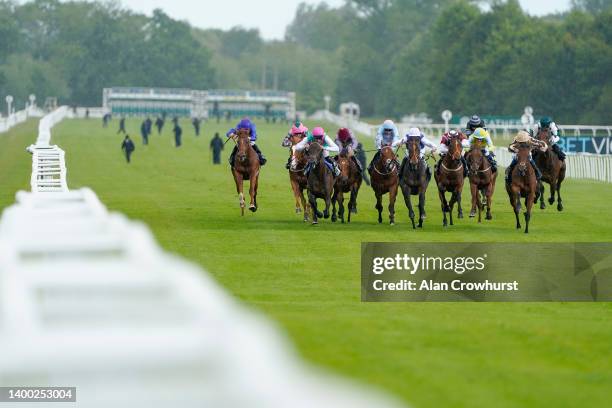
307,277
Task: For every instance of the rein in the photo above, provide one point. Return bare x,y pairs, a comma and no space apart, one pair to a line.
457,169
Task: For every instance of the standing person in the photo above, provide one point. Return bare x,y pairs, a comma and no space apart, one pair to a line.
175,120
105,119
196,125
159,124
361,156
143,133
178,132
87,113
216,145
128,147
122,126
149,125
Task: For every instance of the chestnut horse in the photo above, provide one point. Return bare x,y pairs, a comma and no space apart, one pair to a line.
297,178
482,179
320,181
246,167
349,181
552,168
385,179
414,178
449,178
524,184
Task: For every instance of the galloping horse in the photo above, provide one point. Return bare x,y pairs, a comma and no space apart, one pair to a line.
553,170
524,184
385,179
414,178
482,179
449,178
349,181
320,181
298,179
246,167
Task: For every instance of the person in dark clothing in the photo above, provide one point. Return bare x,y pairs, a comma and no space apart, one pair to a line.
122,126
144,133
105,119
175,120
228,116
196,125
216,145
474,123
361,157
87,113
159,124
178,132
149,125
128,147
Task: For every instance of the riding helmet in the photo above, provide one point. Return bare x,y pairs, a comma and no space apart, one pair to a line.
318,132
545,122
344,134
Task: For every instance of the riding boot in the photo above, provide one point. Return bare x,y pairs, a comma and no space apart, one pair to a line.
358,164
262,159
401,173
374,160
365,178
334,164
560,153
510,169
232,156
439,164
466,168
288,165
535,168
491,158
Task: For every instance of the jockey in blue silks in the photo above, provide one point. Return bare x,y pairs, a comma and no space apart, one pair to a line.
246,124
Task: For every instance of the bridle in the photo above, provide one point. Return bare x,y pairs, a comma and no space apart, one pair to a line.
390,169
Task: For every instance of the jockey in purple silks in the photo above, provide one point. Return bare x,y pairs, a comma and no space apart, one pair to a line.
246,124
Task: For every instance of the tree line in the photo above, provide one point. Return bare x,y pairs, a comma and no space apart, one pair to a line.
393,57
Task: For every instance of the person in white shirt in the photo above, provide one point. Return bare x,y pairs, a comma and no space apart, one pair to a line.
318,135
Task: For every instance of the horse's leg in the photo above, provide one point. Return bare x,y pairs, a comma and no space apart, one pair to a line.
528,204
421,208
559,201
253,192
392,197
408,201
313,205
328,193
239,190
459,209
334,199
379,206
489,201
444,206
542,204
305,205
341,206
516,205
553,188
451,205
475,199
297,195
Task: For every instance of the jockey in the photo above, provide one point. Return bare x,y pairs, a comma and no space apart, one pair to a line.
387,135
245,124
523,138
424,142
546,123
298,129
474,123
319,135
482,137
443,147
348,143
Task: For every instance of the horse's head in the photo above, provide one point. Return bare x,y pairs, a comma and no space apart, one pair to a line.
476,159
314,152
388,159
344,164
543,135
243,141
413,144
455,148
522,158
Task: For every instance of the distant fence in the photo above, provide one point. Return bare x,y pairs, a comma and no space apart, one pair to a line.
88,299
18,117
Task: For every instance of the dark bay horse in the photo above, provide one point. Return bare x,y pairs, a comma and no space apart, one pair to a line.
450,178
385,179
552,168
524,185
482,180
246,167
320,181
349,181
298,179
414,178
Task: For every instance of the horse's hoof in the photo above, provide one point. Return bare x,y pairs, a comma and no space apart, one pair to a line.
460,215
380,221
298,210
319,214
542,206
489,217
252,208
551,201
472,214
391,223
353,210
559,207
315,222
342,220
326,214
334,218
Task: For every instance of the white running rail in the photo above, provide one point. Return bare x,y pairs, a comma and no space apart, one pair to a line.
88,299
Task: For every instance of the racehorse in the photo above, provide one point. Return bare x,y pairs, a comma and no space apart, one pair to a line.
524,184
482,181
349,181
450,178
385,179
320,181
297,178
414,178
246,167
552,168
